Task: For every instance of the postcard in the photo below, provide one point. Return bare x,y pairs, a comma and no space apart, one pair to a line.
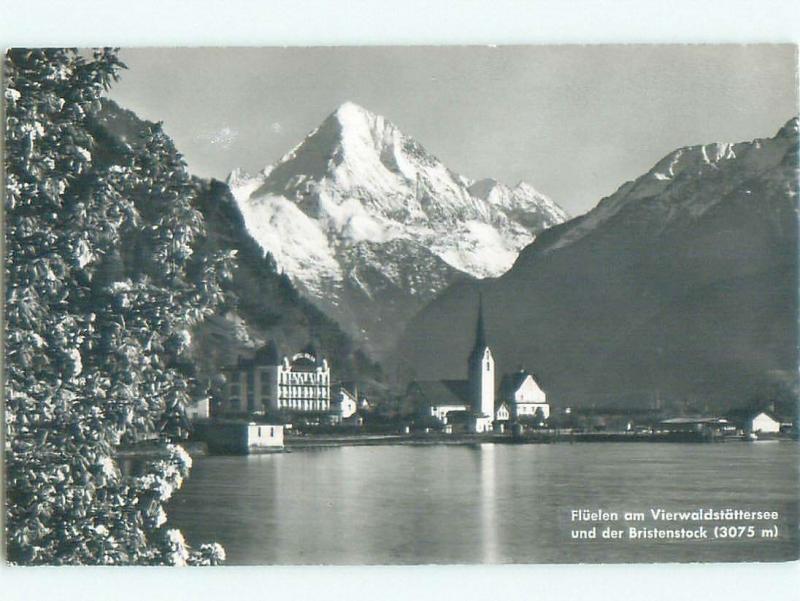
401,305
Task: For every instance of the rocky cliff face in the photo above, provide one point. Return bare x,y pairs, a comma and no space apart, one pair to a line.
371,227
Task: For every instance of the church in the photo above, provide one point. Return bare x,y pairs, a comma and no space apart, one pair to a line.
519,397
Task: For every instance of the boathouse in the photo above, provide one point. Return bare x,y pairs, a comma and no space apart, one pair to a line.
240,437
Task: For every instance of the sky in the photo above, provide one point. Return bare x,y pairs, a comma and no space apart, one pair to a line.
575,121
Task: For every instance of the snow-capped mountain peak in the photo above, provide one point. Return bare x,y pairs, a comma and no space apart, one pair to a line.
357,182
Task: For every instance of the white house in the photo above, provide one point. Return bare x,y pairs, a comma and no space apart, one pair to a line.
503,412
343,406
524,396
765,423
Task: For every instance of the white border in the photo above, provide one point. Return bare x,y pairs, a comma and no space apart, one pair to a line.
355,22
383,22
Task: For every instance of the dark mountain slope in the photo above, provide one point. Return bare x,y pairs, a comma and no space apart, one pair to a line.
682,284
260,302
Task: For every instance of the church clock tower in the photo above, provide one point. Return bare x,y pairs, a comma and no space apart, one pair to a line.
481,370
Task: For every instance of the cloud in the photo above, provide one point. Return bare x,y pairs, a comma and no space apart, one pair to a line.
223,137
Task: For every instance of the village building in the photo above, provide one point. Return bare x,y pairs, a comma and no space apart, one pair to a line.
240,437
269,383
525,397
761,419
503,412
343,406
764,423
439,398
477,401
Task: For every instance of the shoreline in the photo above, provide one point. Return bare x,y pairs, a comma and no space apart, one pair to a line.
317,441
334,440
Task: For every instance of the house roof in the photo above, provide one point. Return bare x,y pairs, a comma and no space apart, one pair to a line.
743,415
770,414
443,392
347,393
510,383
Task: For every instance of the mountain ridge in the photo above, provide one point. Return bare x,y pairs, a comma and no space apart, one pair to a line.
682,283
355,183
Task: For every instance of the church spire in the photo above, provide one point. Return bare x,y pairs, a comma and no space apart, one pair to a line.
480,330
481,373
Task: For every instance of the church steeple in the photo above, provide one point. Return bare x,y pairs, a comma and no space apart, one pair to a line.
480,369
480,329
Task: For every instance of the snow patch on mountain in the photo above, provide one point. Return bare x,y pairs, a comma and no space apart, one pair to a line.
670,190
358,180
298,243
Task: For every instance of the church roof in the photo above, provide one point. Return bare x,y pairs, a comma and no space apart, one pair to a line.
443,392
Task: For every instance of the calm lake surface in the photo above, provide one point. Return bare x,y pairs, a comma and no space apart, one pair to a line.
487,503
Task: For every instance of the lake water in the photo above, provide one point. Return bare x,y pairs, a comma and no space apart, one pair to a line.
487,503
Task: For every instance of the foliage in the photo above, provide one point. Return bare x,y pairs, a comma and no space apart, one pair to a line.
103,285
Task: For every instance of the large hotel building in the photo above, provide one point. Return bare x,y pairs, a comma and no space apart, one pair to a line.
270,384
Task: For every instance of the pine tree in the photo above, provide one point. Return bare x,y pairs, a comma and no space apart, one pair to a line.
102,289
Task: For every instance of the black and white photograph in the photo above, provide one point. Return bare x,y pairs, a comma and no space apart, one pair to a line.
401,305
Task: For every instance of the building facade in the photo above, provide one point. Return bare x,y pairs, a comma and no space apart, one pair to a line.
343,406
763,422
524,396
270,384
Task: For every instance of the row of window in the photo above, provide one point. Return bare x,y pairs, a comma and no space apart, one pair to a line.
289,380
320,389
301,404
304,405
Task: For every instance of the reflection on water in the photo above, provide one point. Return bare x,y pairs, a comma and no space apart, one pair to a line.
486,454
480,503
